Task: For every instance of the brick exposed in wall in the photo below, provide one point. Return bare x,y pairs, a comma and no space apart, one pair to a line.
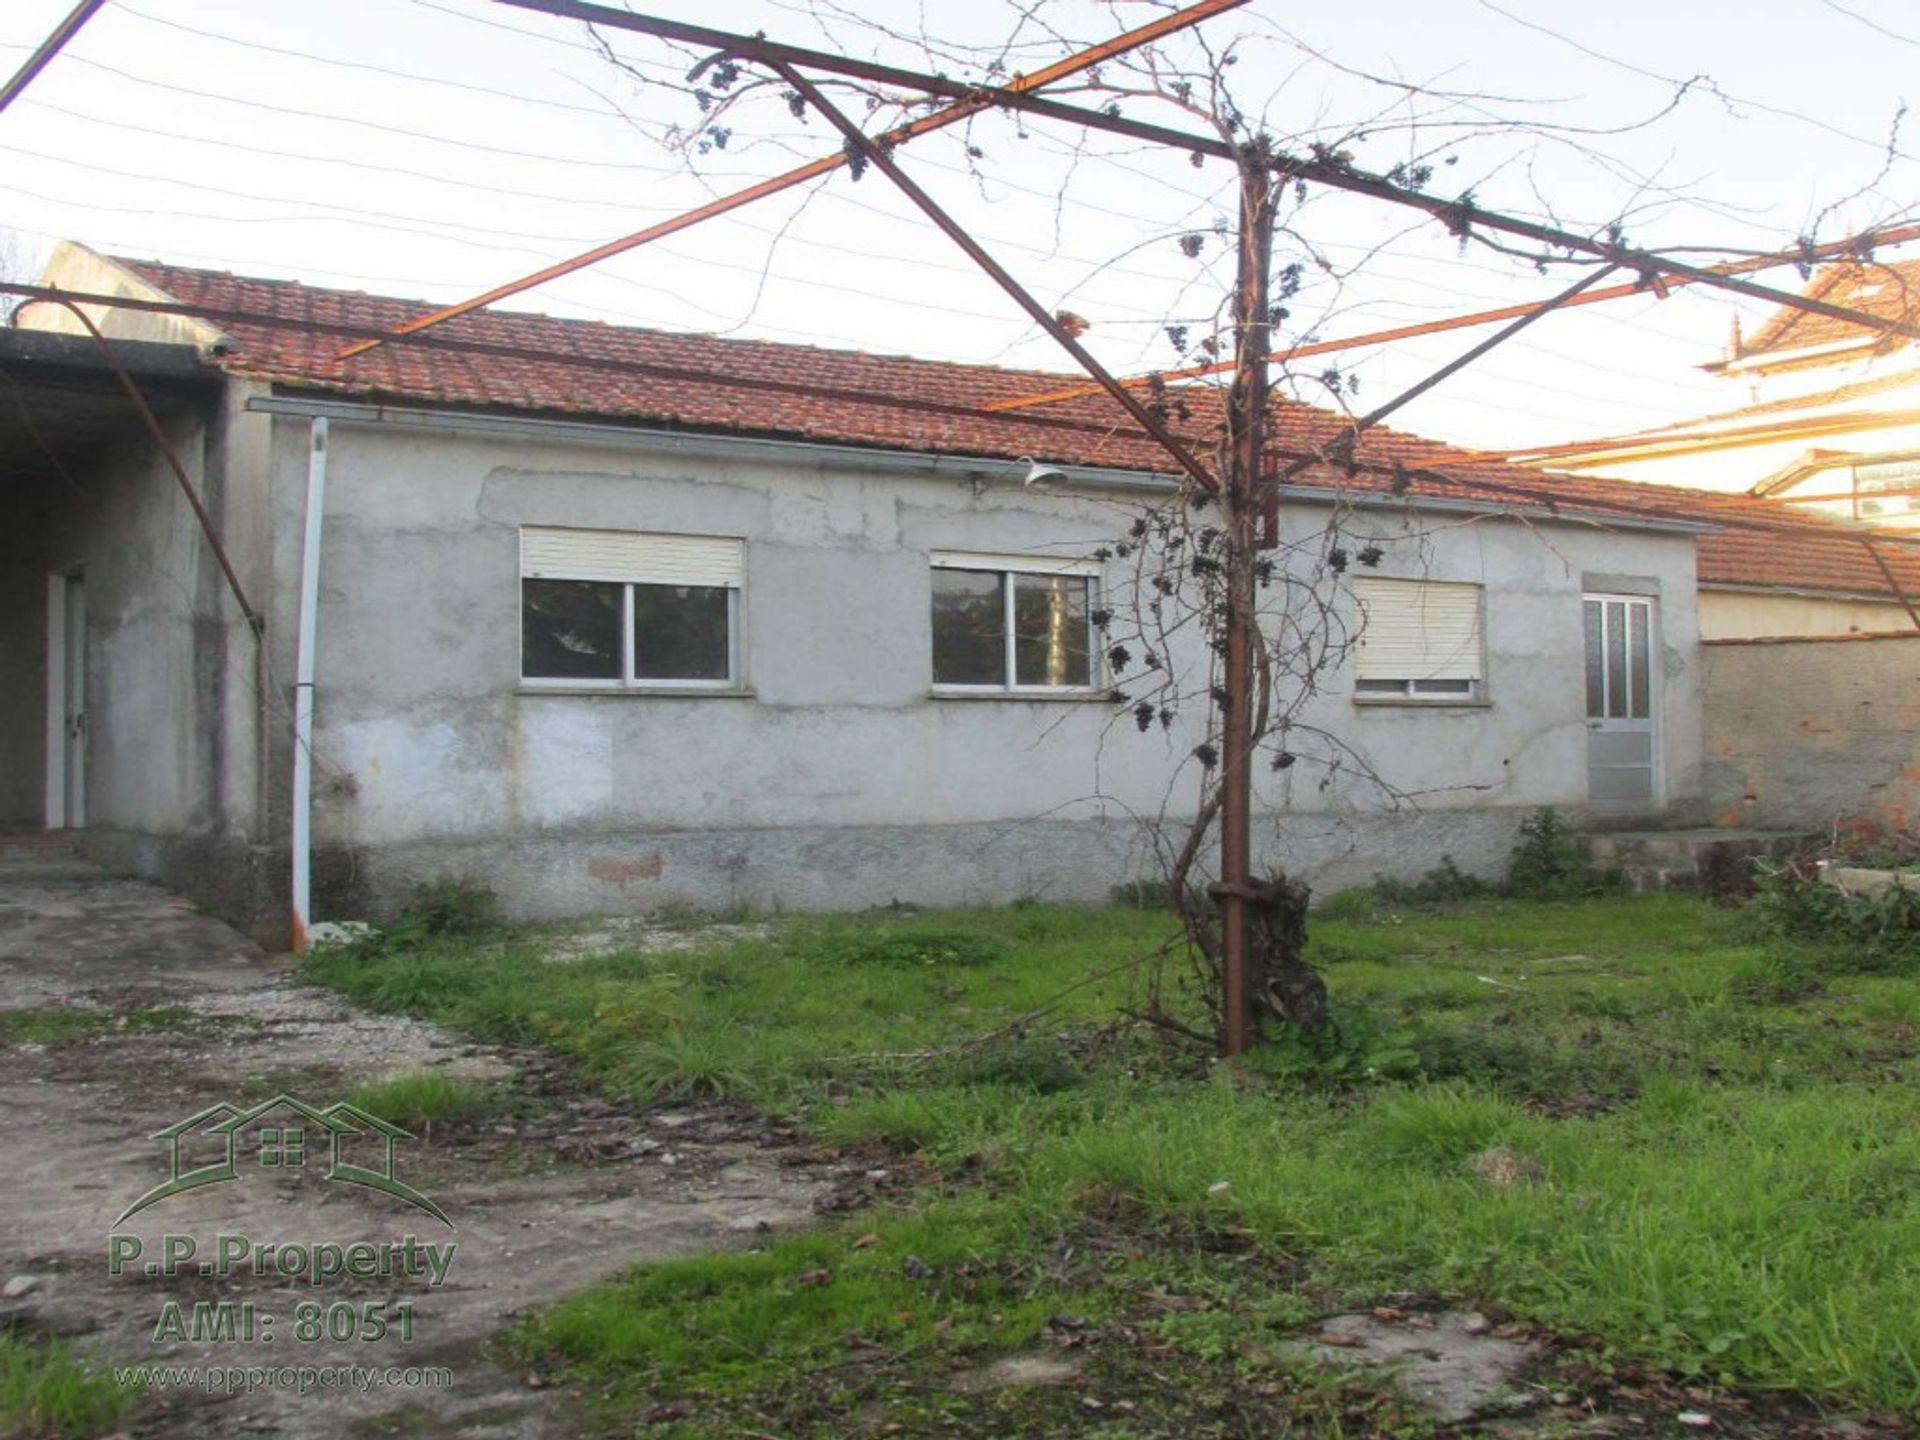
1808,733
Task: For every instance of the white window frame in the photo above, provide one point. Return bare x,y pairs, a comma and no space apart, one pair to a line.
627,680
1429,690
1008,567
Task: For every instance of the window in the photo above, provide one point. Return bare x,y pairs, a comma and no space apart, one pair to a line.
1886,488
606,607
1012,624
1419,640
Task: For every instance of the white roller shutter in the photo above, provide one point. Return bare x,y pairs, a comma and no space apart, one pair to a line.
553,554
1026,564
1417,630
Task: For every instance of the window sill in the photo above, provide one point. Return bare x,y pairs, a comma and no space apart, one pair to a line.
649,692
1421,702
1054,697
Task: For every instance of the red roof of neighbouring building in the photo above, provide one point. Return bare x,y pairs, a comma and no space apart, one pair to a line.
1888,290
753,387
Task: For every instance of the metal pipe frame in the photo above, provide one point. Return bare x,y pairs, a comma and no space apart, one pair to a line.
44,52
1867,240
887,166
1460,216
971,100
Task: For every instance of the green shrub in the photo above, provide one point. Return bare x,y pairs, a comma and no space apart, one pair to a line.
451,905
1548,863
1854,933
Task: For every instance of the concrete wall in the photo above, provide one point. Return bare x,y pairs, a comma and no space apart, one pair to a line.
173,695
841,780
1807,734
1749,615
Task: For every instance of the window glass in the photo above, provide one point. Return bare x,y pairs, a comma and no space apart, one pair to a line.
1616,660
1639,660
680,632
1596,666
969,628
570,629
1050,630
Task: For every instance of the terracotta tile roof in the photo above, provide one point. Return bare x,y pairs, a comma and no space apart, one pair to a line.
1889,290
574,367
1759,545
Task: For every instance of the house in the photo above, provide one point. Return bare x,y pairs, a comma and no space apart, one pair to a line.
612,618
1829,424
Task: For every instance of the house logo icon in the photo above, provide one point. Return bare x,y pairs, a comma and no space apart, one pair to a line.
282,1133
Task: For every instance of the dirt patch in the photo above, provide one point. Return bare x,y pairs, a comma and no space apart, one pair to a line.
561,1191
1016,1370
1457,1364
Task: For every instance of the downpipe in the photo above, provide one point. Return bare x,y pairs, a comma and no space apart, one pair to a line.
305,636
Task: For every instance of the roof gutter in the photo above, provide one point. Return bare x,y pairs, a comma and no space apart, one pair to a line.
1803,592
974,469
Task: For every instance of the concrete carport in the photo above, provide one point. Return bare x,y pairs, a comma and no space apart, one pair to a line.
131,699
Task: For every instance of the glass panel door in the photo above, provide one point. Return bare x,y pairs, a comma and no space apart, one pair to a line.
1622,739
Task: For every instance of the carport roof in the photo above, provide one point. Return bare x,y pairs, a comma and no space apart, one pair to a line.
60,398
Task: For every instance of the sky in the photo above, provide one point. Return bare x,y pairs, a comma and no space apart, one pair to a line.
435,148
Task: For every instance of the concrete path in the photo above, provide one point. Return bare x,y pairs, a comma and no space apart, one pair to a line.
143,1013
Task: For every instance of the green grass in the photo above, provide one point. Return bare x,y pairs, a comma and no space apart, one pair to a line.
1731,1166
45,1391
62,1024
418,1099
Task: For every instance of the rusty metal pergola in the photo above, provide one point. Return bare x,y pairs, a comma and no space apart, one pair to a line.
1248,487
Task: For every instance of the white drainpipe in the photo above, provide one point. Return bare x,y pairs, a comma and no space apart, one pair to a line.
303,686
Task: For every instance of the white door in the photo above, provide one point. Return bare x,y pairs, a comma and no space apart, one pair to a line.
66,800
1623,740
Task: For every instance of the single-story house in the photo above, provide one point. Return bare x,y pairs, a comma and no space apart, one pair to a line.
611,618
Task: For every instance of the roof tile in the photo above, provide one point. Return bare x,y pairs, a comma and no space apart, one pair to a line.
852,397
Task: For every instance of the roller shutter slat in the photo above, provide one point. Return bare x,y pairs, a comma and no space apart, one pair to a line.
619,555
1418,630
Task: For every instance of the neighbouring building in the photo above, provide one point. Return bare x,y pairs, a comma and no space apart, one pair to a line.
1829,424
611,618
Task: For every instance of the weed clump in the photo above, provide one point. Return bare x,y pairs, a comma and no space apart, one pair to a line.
1779,977
1445,884
1024,1063
421,1098
921,945
45,1389
452,905
1854,932
1143,895
1548,863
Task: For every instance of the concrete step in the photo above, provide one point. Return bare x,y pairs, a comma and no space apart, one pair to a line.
1719,861
38,841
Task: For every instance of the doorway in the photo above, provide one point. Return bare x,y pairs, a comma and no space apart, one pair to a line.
1623,742
67,727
